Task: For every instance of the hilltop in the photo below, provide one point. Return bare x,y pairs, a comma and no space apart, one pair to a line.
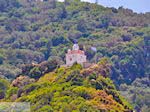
37,32
70,89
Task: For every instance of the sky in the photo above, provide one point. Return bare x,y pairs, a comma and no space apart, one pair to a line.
139,6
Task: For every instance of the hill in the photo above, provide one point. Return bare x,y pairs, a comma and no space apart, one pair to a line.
70,90
43,31
37,31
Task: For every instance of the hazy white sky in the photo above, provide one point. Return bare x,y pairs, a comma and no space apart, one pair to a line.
135,5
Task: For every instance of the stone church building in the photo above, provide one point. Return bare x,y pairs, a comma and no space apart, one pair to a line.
75,55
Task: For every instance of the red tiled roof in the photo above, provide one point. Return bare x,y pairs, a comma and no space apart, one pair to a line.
76,52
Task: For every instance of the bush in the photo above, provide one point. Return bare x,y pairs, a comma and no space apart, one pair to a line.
82,91
126,37
45,108
1,59
2,94
59,40
11,92
4,86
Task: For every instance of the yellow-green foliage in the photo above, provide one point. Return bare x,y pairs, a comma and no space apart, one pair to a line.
67,90
11,91
48,77
4,84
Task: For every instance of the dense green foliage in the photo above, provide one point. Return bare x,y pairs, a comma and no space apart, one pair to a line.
4,86
68,90
138,93
33,34
42,31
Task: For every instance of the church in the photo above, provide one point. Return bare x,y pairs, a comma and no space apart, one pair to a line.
75,56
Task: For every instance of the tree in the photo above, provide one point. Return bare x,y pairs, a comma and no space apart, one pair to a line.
126,37
52,3
114,10
64,12
4,85
81,26
1,59
59,40
3,5
6,5
21,81
105,22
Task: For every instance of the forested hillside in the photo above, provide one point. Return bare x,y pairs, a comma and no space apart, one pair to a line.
33,32
69,90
